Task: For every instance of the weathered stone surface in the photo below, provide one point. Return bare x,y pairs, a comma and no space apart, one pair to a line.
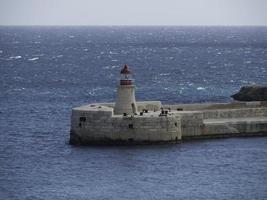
251,93
74,138
98,125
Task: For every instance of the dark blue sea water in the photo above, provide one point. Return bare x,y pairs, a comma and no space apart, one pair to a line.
45,71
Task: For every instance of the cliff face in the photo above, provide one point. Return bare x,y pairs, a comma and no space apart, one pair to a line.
251,93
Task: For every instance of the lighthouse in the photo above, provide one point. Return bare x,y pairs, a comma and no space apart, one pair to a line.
125,102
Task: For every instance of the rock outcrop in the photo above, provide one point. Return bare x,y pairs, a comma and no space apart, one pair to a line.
251,93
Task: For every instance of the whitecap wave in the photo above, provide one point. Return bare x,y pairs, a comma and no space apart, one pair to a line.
164,74
111,67
112,53
15,57
18,89
33,59
201,88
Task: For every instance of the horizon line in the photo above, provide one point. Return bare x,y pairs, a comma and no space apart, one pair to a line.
87,25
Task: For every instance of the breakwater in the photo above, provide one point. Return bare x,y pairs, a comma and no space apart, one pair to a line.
154,123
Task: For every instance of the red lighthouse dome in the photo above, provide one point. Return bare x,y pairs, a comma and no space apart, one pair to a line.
126,78
126,70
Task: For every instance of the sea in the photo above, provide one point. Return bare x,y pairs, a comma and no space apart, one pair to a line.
45,71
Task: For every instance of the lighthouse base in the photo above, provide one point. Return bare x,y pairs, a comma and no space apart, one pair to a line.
97,124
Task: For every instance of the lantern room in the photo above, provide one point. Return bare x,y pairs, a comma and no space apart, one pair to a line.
126,76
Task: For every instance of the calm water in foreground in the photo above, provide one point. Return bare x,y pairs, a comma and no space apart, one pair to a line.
45,71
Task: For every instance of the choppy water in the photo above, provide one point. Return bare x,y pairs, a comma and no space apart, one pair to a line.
45,71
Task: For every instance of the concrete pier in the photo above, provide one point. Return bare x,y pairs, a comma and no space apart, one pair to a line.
129,122
97,123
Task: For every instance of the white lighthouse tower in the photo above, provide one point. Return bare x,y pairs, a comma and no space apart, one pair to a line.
125,102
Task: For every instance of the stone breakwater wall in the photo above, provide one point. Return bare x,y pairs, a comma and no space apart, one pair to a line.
222,120
97,124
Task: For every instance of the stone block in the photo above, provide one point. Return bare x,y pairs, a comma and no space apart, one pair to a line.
155,136
166,136
141,136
